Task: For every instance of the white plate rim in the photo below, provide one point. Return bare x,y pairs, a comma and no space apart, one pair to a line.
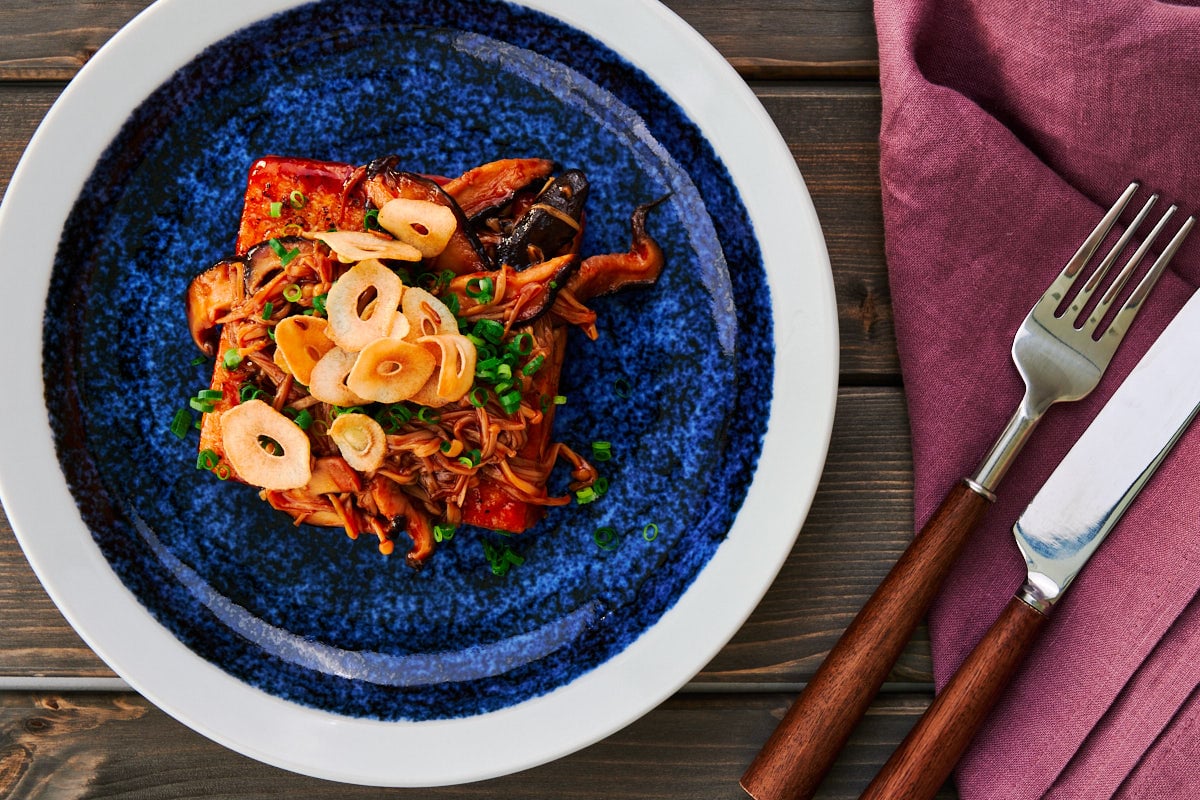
61,155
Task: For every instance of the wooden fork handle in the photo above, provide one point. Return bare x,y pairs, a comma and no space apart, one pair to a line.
807,741
925,759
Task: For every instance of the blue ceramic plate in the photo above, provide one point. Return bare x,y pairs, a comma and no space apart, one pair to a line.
715,386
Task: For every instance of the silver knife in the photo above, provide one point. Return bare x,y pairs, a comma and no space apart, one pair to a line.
1059,531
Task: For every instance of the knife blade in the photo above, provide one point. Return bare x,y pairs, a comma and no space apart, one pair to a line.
1061,528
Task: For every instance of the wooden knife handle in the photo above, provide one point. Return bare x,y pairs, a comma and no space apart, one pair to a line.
802,748
927,756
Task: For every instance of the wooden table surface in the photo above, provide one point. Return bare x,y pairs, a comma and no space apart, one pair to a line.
69,728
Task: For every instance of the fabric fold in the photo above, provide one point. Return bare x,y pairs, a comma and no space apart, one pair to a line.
1006,131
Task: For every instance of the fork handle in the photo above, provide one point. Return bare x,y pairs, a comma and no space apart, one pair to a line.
807,741
927,756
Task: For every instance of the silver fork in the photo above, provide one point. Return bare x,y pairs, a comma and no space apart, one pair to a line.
1060,359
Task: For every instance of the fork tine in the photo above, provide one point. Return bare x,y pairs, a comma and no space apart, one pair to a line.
1058,290
1124,317
1097,277
1118,284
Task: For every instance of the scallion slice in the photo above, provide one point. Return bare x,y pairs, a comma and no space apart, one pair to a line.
181,423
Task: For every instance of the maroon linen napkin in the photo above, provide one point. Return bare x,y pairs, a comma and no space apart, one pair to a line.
1007,130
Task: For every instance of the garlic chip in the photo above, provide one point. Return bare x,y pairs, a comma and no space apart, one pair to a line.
455,372
426,314
301,341
424,225
328,382
390,370
362,305
351,246
264,447
361,441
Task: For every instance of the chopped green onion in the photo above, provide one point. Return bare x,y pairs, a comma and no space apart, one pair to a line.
442,533
292,293
276,210
488,366
533,365
268,310
250,392
297,199
478,397
602,451
560,400
623,388
221,471
500,558
210,394
232,358
203,406
198,360
511,401
339,410
181,423
650,532
371,219
489,330
319,303
304,419
521,345
285,255
451,301
606,538
480,289
426,414
586,495
207,460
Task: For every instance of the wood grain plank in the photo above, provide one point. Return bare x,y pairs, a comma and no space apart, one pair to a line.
833,133
859,523
119,747
788,39
763,39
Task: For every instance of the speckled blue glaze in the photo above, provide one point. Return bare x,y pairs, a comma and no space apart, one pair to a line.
307,614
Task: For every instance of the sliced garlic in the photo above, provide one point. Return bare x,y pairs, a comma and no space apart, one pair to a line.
455,371
351,246
249,429
328,382
361,441
301,341
362,304
281,361
390,370
426,314
424,225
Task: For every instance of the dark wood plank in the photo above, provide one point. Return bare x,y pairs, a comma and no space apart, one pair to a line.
858,525
833,133
787,39
119,747
52,39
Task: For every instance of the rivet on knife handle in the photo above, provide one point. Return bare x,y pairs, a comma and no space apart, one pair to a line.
1058,362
